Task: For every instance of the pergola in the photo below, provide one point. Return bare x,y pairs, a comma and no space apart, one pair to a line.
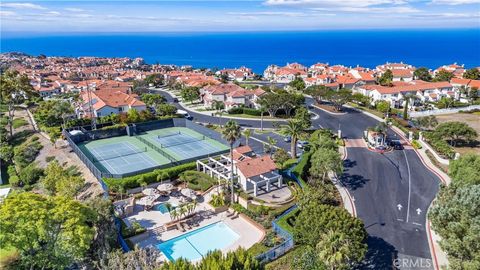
264,179
215,168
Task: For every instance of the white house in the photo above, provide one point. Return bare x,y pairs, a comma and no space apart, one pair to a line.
104,102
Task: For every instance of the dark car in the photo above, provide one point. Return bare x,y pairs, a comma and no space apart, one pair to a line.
175,100
396,144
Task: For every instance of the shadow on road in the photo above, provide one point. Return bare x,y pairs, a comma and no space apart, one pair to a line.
380,254
349,163
353,182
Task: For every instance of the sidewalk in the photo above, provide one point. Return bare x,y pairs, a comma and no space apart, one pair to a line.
348,201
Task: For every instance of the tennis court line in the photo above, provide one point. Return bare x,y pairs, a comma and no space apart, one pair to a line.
96,153
120,156
148,161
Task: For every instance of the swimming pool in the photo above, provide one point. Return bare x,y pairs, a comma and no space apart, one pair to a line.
195,244
162,207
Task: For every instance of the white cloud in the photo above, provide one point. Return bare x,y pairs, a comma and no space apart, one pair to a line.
268,13
22,6
455,2
334,3
53,13
7,13
393,9
75,9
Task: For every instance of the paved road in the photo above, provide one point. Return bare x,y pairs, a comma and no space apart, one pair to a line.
392,191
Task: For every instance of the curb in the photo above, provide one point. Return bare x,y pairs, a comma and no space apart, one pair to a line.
350,199
329,112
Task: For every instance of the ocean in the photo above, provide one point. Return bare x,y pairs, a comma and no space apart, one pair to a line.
257,50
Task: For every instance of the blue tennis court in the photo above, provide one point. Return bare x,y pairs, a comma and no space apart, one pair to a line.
186,145
121,157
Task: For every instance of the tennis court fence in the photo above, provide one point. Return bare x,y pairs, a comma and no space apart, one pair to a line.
89,163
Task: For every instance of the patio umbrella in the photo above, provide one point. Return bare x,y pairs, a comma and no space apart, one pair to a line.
147,200
165,187
150,191
188,193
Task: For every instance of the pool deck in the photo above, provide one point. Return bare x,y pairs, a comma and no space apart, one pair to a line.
249,232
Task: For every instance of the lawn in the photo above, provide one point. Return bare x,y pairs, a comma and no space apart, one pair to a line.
19,122
287,221
198,180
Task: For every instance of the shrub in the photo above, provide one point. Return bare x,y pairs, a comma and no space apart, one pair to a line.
135,229
30,174
440,146
302,167
19,122
26,153
197,180
235,110
253,112
416,144
149,178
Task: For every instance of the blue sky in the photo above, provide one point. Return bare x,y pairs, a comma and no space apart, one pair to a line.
266,15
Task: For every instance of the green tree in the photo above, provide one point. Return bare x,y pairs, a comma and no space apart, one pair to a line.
426,122
336,252
303,115
30,174
386,78
48,232
308,260
133,116
6,152
465,171
339,98
445,102
165,109
294,128
156,79
231,134
280,156
271,102
472,74
58,181
455,217
316,219
455,131
383,106
360,99
297,84
139,258
247,133
443,76
318,92
14,89
422,73
190,94
152,100
324,161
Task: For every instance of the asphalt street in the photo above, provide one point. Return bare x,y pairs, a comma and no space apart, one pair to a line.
391,191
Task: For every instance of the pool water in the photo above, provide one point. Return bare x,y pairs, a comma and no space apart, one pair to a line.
196,244
161,207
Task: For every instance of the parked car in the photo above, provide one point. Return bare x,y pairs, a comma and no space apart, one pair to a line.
396,144
175,100
302,144
184,114
287,138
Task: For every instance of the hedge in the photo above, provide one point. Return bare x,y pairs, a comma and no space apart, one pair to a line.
300,170
244,110
149,178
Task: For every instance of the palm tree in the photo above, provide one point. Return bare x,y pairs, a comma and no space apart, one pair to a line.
271,143
294,129
247,133
333,250
173,214
231,133
13,89
219,106
182,210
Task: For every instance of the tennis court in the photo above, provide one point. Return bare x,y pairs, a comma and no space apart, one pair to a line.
183,143
122,155
128,155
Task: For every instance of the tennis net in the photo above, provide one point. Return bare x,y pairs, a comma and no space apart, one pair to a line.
151,145
117,155
168,135
166,145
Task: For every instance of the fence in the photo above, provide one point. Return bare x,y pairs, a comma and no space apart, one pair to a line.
120,239
444,111
282,248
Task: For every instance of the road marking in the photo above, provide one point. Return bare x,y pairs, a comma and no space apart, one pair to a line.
399,206
399,219
415,223
409,185
418,211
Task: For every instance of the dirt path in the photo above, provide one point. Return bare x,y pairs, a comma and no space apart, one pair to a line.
63,154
